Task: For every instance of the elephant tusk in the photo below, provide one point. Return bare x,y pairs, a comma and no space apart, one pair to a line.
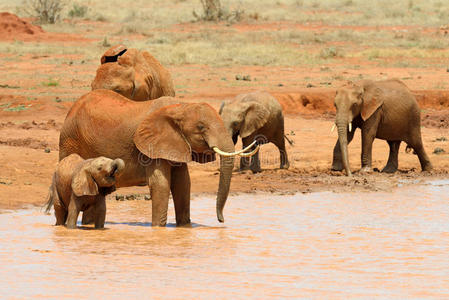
333,128
350,126
247,148
217,150
250,153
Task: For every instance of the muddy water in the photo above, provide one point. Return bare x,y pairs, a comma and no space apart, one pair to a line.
388,245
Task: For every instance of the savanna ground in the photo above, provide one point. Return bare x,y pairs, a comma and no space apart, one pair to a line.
300,51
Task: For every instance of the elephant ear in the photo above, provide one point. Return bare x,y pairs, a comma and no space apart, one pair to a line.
83,184
256,117
372,100
159,135
113,53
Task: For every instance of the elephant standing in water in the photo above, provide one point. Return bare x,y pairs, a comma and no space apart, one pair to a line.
156,139
381,109
134,74
79,185
256,115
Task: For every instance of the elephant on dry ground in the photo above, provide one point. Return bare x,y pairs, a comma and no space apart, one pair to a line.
156,139
255,116
134,74
80,184
381,109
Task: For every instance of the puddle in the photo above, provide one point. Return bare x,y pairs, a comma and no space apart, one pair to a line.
388,245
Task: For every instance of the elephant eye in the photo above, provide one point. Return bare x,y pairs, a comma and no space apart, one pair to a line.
200,127
235,124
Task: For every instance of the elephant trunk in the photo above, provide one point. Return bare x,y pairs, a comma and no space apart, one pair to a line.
226,167
343,141
119,165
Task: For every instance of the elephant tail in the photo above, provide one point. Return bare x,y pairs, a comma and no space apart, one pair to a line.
52,193
408,149
289,140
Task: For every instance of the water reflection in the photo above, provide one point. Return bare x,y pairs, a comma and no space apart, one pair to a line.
366,245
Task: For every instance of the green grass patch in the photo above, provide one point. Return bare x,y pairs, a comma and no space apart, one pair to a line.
50,82
20,107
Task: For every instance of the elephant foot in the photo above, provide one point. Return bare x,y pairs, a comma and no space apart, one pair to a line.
366,170
256,170
244,168
427,168
285,166
389,169
337,166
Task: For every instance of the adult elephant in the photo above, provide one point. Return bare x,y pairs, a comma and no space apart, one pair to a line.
134,74
381,109
155,139
252,116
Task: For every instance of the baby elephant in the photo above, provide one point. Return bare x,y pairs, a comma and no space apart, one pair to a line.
255,116
79,184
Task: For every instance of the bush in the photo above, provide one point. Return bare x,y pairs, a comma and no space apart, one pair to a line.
46,11
78,11
213,11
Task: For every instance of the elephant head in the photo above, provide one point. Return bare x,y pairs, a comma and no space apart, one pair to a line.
188,132
96,176
351,101
132,73
243,118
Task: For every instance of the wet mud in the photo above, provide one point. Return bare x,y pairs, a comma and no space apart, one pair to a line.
337,245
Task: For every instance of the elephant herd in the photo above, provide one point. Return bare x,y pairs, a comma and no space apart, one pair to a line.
130,130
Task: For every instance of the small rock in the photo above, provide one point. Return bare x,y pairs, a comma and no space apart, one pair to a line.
280,84
27,183
324,68
224,79
441,139
247,78
147,197
119,197
47,150
238,77
58,99
5,182
130,197
438,150
447,70
309,85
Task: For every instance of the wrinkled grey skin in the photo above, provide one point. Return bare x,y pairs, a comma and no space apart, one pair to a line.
256,115
381,109
79,185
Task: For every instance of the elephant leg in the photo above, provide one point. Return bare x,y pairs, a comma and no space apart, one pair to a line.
88,216
73,212
280,144
337,162
392,164
245,162
369,131
255,162
159,178
100,211
424,160
61,215
180,190
60,211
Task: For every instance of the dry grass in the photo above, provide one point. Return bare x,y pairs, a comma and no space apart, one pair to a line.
151,20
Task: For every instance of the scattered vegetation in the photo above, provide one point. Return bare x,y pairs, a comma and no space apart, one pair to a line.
214,11
78,11
50,82
19,107
106,43
46,11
